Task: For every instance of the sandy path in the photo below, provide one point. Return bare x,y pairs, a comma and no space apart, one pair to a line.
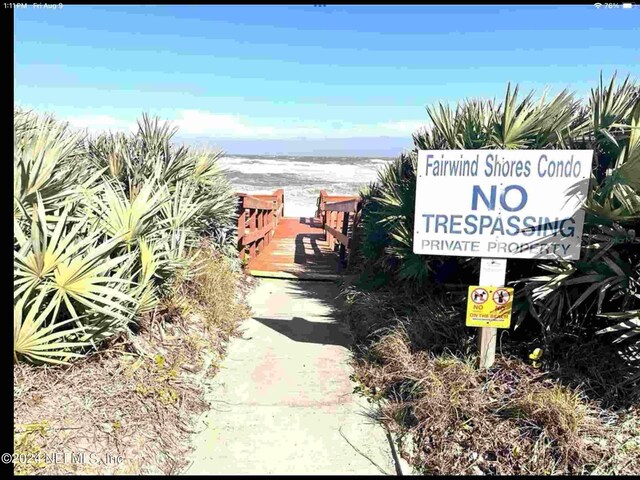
282,402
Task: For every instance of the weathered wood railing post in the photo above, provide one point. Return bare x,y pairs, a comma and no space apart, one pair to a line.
322,213
338,213
253,225
345,231
330,235
267,238
353,239
242,218
279,208
258,228
260,225
258,217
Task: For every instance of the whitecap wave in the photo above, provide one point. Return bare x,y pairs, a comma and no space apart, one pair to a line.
301,177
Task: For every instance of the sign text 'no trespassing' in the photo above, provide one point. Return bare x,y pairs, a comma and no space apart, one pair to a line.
501,203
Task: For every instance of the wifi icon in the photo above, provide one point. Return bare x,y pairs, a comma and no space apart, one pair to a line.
597,5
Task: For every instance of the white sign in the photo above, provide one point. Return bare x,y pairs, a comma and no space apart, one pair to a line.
493,271
501,203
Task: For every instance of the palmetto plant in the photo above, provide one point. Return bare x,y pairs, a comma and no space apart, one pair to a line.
101,226
38,337
118,216
48,162
77,271
584,296
608,273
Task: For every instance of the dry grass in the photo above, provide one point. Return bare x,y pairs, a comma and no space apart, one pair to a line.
138,397
607,372
434,321
428,320
453,419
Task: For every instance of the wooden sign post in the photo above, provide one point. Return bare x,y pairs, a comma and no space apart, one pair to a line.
499,204
492,273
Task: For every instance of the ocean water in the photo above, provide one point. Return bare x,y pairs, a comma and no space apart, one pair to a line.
302,177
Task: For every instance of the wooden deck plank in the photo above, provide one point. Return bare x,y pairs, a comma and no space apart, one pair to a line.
298,249
294,276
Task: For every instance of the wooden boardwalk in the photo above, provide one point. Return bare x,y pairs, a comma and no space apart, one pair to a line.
298,249
303,248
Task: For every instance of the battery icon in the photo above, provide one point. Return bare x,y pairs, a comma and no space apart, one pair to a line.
627,5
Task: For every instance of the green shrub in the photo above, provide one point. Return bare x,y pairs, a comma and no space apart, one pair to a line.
599,294
101,226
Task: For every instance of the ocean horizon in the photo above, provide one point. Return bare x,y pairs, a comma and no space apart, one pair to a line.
301,176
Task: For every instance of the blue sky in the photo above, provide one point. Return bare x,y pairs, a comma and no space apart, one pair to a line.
275,73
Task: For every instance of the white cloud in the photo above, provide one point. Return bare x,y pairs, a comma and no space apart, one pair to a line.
197,122
406,127
400,128
100,123
220,125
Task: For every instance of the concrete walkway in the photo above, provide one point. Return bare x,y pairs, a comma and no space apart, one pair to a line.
282,402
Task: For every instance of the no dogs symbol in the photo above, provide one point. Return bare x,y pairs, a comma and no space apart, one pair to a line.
501,296
489,307
479,296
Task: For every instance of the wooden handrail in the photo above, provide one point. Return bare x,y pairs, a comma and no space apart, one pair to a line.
321,200
258,217
340,237
343,206
339,215
256,203
257,234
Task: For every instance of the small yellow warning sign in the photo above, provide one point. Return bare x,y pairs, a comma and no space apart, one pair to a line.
489,307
